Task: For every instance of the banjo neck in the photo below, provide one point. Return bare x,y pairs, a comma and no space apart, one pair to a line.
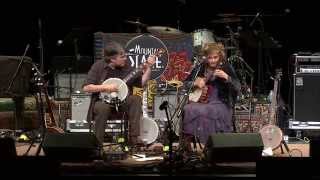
274,101
271,134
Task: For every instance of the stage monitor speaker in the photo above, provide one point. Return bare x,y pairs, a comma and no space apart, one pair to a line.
71,146
7,149
306,97
234,147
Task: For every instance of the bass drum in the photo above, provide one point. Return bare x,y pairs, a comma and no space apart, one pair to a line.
202,36
149,130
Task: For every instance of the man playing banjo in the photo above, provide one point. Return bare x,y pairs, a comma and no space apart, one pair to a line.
115,66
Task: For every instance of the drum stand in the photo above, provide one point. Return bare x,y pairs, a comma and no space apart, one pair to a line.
250,72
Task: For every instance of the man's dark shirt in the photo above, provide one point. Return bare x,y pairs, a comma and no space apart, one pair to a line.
100,71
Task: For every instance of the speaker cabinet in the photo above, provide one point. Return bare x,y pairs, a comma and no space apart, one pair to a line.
234,147
306,97
71,146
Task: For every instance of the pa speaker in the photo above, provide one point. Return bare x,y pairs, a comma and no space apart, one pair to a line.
71,146
306,97
234,147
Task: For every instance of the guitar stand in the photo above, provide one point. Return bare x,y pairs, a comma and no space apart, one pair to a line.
39,103
286,147
41,113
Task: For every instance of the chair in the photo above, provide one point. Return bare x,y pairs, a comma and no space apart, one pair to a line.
116,126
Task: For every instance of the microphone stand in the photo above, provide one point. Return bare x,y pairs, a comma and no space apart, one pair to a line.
19,101
18,69
164,106
74,65
41,45
251,74
178,111
40,85
40,107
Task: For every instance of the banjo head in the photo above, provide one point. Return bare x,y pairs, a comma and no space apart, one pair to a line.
271,136
149,130
122,90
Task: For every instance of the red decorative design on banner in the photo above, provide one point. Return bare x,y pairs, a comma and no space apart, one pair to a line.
179,67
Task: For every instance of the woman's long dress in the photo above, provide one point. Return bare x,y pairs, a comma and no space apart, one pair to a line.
204,119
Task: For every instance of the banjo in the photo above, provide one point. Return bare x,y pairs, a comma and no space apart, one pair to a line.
271,134
117,98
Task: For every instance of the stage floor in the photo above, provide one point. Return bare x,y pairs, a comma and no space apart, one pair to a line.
155,164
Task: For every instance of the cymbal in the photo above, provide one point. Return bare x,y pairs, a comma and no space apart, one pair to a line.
226,20
163,30
230,47
225,15
137,23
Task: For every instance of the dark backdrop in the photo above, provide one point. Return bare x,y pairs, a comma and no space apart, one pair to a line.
292,25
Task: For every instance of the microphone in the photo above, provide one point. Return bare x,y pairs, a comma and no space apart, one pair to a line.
163,105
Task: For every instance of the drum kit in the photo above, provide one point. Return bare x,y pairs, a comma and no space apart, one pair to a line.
200,38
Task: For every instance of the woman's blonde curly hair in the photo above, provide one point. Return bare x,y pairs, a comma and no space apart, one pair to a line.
214,47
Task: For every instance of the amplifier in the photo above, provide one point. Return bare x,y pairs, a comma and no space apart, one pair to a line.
307,64
306,100
80,106
310,58
311,69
